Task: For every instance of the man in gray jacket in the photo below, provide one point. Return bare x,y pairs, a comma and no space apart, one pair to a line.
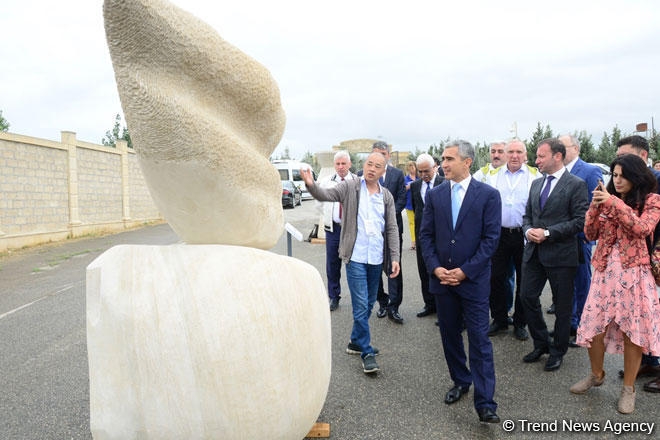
369,239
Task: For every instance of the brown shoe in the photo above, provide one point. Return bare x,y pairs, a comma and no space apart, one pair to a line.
585,384
653,386
627,400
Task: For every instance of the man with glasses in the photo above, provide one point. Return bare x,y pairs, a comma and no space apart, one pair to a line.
428,178
368,243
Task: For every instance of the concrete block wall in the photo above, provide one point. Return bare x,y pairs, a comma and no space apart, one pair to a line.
33,188
142,206
53,190
99,186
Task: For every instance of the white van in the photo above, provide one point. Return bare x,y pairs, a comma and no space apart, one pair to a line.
290,170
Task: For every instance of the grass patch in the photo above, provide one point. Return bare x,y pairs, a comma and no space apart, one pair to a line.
63,257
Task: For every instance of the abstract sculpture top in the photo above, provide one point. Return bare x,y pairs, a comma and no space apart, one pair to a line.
204,118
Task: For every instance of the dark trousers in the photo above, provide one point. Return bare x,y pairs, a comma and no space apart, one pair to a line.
332,261
465,305
582,283
392,300
429,300
509,250
533,280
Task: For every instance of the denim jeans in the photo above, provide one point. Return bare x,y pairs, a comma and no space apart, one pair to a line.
363,283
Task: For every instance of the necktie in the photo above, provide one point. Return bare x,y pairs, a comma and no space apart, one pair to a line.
428,188
455,202
342,179
546,191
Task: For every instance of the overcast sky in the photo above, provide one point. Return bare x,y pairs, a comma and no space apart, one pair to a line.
411,75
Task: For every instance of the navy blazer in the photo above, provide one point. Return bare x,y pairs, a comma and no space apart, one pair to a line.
416,198
472,244
590,174
395,182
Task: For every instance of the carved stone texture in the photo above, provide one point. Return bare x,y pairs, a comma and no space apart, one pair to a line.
204,119
180,348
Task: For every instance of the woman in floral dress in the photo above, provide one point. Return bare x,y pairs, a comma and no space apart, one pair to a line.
622,313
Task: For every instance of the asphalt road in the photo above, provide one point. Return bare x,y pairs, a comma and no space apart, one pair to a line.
44,374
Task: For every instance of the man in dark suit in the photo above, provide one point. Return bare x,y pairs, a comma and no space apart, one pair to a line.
394,181
428,179
591,174
639,146
553,216
459,234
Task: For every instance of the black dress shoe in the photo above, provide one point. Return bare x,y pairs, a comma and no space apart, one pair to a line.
455,394
394,316
554,362
653,386
535,355
487,415
520,333
496,328
426,311
645,371
551,309
334,303
381,312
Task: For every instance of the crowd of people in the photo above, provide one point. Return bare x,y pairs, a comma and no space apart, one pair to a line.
487,244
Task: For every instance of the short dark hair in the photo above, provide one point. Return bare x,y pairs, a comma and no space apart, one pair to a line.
637,142
380,145
555,146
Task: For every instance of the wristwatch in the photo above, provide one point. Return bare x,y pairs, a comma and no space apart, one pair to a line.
546,233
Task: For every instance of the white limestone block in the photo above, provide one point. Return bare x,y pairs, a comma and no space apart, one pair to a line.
204,118
205,341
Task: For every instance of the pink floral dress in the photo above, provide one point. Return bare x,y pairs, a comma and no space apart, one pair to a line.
622,298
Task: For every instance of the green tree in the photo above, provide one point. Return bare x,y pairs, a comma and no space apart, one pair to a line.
310,159
481,156
587,149
606,150
415,154
616,136
539,134
112,136
4,125
436,150
356,162
654,144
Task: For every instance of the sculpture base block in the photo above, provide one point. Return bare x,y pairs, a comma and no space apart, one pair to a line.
205,341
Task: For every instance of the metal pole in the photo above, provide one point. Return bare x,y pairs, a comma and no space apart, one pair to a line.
288,243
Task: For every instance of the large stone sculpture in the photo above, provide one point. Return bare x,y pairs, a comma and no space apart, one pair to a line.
215,338
204,118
